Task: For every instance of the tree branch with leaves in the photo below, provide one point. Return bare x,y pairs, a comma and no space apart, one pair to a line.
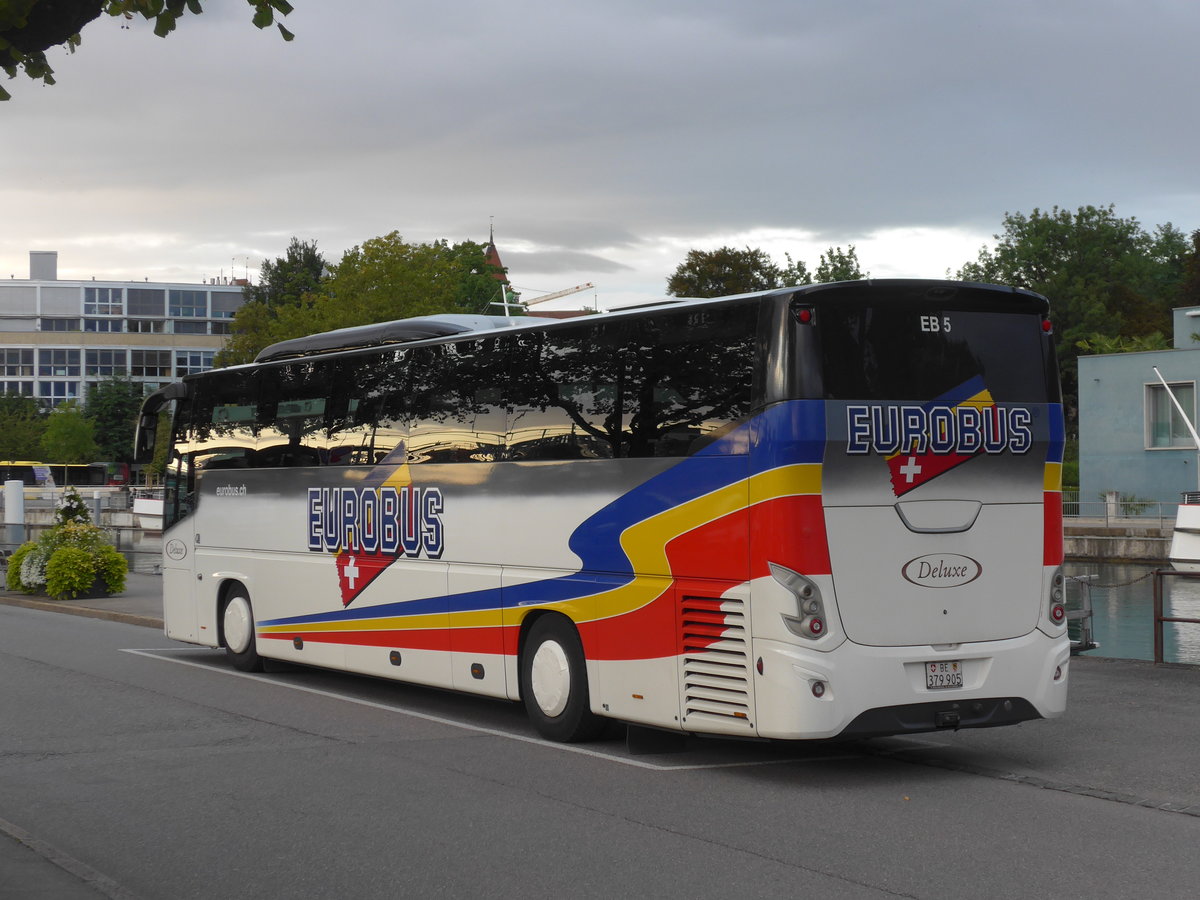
28,28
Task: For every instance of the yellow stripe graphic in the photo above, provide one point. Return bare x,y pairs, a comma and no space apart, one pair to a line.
1052,480
644,544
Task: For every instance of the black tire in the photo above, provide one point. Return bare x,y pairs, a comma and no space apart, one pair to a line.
554,683
237,631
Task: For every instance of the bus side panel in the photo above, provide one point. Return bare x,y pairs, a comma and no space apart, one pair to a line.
406,638
179,607
476,630
631,651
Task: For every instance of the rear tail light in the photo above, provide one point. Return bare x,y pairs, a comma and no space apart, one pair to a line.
1056,609
809,622
805,315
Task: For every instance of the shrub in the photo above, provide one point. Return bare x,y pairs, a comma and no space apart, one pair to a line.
66,560
69,573
111,566
12,578
74,534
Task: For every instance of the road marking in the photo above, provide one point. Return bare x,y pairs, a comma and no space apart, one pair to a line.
164,656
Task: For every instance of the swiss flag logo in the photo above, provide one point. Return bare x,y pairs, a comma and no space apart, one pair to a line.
912,468
357,570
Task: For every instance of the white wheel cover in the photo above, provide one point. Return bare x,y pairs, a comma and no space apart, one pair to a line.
239,629
550,678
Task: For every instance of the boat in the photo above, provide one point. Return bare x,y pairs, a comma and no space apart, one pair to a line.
148,513
1185,539
1184,554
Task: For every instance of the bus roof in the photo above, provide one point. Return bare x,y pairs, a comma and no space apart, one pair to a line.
401,331
404,331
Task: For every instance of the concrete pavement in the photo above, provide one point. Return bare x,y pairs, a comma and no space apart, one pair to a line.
1136,723
139,604
1129,737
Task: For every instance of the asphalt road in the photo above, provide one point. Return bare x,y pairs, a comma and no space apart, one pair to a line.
131,766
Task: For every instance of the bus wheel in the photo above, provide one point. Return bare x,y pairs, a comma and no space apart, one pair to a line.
237,624
554,682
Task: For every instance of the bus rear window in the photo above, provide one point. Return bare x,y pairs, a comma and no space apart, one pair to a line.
918,352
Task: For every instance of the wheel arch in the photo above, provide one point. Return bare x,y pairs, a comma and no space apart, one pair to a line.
527,625
225,590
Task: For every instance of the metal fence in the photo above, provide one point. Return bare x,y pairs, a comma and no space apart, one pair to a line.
1117,509
1160,616
110,508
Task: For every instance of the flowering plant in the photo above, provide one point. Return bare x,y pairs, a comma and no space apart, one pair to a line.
71,508
68,558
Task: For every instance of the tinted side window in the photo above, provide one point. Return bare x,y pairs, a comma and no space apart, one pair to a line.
454,403
691,376
222,430
364,418
567,394
291,415
653,386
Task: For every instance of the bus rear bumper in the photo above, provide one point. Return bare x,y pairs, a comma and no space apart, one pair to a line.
858,691
941,715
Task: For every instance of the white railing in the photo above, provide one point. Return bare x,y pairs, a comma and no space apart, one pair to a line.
1115,509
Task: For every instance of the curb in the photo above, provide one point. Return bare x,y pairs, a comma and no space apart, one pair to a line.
85,611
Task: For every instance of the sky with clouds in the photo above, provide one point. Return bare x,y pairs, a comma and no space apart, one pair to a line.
604,139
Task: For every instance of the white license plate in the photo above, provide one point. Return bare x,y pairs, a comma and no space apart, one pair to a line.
941,675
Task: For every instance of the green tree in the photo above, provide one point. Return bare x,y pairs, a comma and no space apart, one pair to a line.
1105,275
69,436
384,278
1105,343
22,425
839,265
724,271
481,285
794,273
388,278
113,406
283,282
28,28
1189,286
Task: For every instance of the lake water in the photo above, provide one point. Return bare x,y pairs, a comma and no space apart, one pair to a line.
1123,604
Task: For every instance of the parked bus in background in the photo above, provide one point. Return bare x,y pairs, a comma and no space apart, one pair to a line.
35,473
95,474
823,511
30,472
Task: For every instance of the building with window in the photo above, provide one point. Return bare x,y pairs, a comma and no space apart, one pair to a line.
1132,439
57,336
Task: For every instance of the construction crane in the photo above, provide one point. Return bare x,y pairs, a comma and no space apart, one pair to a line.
566,292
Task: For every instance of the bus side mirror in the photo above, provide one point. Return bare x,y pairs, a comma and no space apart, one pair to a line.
143,441
147,427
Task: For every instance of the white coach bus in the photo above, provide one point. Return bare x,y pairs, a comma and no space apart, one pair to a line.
832,510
